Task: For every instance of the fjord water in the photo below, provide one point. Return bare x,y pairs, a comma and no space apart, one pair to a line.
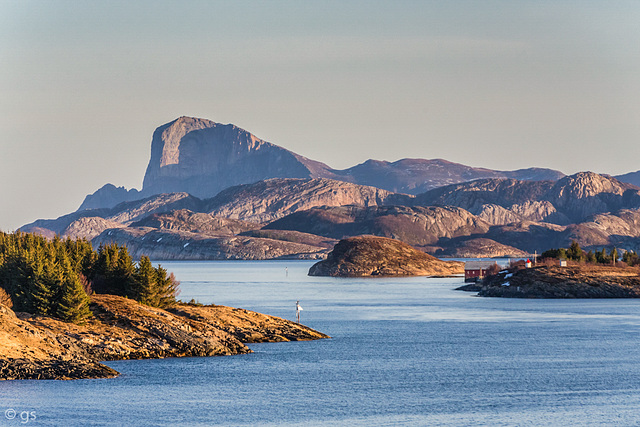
405,351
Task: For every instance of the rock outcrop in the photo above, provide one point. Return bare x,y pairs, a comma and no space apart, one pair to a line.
583,281
370,256
36,347
269,200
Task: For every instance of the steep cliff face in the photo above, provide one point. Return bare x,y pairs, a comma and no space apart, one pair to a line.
202,158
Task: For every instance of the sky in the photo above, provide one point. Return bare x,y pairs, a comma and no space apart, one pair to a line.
497,84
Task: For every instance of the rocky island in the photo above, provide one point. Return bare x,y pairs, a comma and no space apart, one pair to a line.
41,347
371,256
578,281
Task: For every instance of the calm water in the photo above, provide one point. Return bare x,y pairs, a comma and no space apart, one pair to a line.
404,352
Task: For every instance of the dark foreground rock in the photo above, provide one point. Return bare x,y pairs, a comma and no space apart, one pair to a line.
37,347
370,256
561,282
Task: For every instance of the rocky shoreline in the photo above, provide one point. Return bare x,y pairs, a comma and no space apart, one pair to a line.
38,347
579,281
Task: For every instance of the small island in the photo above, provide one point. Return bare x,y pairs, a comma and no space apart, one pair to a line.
566,273
372,256
554,281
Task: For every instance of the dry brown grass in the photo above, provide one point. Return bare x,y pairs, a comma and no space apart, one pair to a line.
5,298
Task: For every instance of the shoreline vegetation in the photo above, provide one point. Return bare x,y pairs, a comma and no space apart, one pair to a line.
65,307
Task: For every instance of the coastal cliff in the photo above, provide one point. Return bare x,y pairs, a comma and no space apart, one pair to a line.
370,256
579,281
38,347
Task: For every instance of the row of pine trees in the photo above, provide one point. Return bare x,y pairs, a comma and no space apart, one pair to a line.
575,253
55,277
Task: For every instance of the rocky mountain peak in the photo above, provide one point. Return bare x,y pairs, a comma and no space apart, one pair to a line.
588,184
171,136
203,157
587,193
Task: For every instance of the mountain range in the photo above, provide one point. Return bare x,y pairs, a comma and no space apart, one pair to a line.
214,191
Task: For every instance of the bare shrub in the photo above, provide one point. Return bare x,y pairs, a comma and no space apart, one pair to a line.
493,270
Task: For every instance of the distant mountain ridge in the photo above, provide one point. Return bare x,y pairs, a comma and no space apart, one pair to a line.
202,158
284,205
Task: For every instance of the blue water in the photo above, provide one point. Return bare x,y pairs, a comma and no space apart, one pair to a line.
404,352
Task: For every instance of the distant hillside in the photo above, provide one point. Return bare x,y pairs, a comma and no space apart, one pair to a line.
202,158
300,217
417,226
630,178
269,200
415,176
211,188
571,199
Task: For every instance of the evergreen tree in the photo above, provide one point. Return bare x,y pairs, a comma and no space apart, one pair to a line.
601,256
55,277
562,253
167,288
575,252
73,305
145,289
631,258
550,253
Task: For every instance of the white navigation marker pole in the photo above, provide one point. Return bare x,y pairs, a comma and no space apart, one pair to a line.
298,310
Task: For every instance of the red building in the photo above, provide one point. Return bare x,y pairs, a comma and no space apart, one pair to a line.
476,270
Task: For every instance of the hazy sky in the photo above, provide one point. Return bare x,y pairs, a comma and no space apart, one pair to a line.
498,84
